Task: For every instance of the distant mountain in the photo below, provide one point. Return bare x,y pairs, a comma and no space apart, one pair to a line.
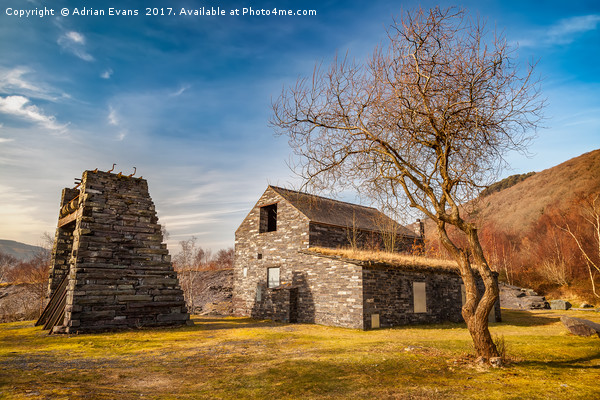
19,250
515,208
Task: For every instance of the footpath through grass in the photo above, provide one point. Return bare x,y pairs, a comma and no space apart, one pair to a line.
240,358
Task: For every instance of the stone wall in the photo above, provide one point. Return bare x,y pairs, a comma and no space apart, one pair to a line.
255,252
388,292
120,272
323,291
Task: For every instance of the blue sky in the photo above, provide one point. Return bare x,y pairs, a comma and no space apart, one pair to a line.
187,99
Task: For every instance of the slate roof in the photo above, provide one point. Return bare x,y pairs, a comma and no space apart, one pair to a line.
339,213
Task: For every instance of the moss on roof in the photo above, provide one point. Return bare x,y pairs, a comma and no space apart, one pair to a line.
385,259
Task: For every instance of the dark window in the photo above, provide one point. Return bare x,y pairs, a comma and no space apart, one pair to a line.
268,218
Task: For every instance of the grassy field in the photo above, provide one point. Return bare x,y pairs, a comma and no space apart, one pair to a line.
238,358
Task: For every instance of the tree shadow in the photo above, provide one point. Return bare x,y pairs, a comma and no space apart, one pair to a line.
572,363
219,323
526,318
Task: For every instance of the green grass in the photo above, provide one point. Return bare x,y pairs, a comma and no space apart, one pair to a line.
240,358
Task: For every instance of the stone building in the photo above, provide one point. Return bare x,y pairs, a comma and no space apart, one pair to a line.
278,274
109,267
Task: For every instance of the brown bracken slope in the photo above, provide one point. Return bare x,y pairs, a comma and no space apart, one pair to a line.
518,207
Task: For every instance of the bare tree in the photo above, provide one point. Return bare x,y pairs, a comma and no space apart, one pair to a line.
224,258
352,233
388,231
426,122
7,263
186,265
590,211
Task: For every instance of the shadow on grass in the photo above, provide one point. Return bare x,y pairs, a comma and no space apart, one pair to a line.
573,363
526,318
509,317
218,323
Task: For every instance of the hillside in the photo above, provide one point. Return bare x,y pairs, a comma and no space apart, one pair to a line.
518,207
21,251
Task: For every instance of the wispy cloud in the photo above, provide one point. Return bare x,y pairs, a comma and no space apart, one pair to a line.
180,91
114,120
18,107
106,74
566,30
13,79
19,213
185,220
74,42
19,80
5,140
563,32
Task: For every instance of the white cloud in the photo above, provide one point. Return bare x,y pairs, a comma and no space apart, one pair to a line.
5,140
13,79
19,213
180,91
192,219
563,32
113,119
17,81
74,42
106,74
17,106
75,37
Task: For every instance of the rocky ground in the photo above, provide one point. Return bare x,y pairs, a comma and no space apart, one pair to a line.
518,298
213,291
18,302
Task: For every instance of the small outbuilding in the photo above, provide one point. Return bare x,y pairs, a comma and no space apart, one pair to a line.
281,271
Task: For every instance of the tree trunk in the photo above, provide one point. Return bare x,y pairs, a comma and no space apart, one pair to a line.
476,309
482,339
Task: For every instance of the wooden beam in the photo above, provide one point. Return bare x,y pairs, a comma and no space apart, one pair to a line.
68,219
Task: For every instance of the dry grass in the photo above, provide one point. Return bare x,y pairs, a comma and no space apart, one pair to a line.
394,259
240,358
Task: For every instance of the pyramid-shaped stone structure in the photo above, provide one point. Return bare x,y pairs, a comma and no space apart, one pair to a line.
110,268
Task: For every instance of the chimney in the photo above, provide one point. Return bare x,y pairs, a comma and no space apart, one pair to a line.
420,228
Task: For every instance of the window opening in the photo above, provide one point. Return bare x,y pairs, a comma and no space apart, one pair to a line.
273,277
419,297
268,218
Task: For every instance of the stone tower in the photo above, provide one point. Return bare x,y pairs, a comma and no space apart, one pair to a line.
110,269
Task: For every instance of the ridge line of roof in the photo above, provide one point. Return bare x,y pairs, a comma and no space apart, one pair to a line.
324,198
